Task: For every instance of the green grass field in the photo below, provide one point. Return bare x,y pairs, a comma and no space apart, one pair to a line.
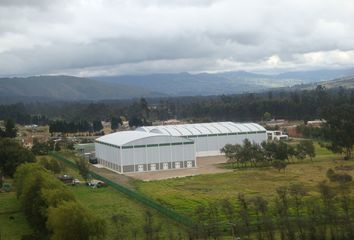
12,221
107,202
185,194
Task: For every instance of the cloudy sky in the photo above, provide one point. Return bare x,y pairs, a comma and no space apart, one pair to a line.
114,37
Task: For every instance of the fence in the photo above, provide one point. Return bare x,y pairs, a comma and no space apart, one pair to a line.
135,195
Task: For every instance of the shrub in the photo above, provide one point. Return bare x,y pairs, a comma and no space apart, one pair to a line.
338,177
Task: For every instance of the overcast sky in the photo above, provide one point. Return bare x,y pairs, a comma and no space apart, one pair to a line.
114,37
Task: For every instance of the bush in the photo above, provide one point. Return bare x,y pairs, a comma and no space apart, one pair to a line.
338,177
279,165
51,164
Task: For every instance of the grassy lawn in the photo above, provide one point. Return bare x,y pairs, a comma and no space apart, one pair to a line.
107,202
12,221
185,194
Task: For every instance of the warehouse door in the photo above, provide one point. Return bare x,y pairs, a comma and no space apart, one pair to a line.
153,167
189,164
177,165
140,168
165,166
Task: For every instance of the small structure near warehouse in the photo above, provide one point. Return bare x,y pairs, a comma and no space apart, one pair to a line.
66,179
316,123
277,135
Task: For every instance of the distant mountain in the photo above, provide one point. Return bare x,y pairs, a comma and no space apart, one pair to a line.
317,75
49,88
67,88
186,84
345,82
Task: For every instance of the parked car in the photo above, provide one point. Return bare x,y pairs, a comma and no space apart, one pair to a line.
66,179
93,160
96,183
76,181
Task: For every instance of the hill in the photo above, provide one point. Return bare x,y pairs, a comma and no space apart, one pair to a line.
67,88
203,84
186,84
345,82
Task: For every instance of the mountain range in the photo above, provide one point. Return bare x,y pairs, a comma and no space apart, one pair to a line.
41,88
186,84
68,88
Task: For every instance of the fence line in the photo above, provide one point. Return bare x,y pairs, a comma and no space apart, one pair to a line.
135,195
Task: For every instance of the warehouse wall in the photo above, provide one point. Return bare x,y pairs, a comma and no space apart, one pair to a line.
108,156
210,145
158,157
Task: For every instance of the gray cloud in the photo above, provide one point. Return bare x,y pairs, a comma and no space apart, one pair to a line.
128,37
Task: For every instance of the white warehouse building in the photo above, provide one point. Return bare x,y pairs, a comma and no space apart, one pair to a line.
209,138
135,151
171,146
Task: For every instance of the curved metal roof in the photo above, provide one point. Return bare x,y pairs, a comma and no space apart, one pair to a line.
203,128
128,137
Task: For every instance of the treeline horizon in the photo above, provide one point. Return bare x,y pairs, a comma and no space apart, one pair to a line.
296,105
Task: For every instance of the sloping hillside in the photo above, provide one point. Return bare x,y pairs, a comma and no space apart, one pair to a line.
345,82
187,84
68,88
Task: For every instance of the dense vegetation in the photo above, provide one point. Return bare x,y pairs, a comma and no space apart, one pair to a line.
11,156
298,105
291,215
51,208
268,153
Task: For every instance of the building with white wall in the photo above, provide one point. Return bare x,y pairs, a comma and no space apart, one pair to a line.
167,147
137,151
209,138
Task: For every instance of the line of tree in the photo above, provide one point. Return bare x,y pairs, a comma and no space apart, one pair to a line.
10,130
293,214
12,154
336,106
296,105
51,209
23,114
62,126
267,153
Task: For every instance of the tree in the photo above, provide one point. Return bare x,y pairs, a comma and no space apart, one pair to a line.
51,164
306,147
83,167
232,153
70,221
339,129
279,165
267,116
10,129
97,125
115,123
37,189
145,111
12,155
281,151
40,148
135,122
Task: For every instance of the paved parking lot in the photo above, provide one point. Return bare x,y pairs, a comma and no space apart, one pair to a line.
205,165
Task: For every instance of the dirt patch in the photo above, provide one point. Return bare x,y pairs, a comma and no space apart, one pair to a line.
124,180
344,168
205,165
